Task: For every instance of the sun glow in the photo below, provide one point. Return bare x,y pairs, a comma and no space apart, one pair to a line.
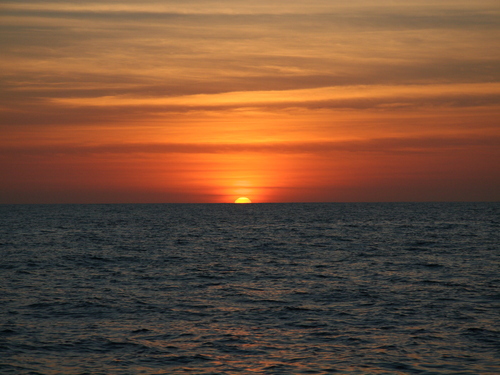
242,200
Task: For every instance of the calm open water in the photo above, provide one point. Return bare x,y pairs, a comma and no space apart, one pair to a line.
250,289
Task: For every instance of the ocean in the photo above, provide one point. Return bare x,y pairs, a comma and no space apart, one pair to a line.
292,288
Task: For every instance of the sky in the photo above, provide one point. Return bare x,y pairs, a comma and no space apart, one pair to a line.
186,101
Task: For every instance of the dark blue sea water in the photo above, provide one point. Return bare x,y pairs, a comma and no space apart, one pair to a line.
250,289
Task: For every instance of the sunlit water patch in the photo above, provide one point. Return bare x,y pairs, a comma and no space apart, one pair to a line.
260,288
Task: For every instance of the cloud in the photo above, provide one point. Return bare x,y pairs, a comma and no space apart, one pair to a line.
155,50
387,145
332,96
88,85
18,109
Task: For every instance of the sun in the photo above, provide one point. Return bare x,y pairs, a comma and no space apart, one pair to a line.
242,200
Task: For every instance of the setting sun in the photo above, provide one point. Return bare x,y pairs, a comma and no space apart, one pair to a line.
242,200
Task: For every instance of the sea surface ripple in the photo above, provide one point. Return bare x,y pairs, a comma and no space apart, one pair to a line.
399,288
